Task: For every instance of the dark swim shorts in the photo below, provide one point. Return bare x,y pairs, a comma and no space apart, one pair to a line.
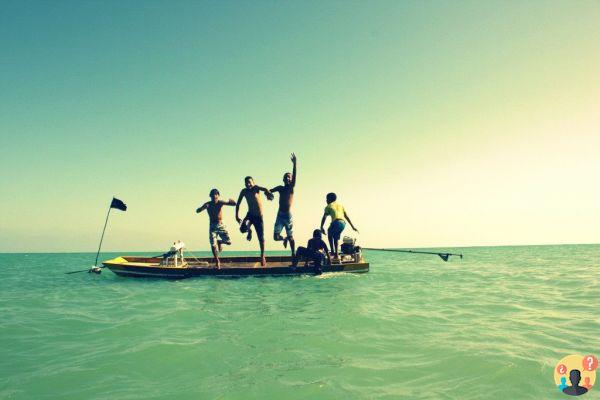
335,228
259,226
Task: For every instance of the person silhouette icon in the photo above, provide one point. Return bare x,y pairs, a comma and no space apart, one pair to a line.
587,383
575,389
563,383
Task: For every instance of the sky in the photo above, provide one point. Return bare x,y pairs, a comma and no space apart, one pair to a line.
438,124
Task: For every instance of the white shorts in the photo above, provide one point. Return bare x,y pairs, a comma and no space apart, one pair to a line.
216,231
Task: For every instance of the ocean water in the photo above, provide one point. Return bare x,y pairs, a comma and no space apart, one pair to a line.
490,326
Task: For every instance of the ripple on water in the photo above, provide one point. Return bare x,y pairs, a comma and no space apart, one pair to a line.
414,327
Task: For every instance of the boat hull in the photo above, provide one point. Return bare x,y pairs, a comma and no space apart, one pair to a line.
147,267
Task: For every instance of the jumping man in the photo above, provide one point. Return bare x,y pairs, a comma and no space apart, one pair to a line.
217,233
255,216
284,216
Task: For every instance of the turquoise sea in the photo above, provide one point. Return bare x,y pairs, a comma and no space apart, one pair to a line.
490,326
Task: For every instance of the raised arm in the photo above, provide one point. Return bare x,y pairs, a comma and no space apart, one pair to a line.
202,208
294,160
230,202
350,222
237,207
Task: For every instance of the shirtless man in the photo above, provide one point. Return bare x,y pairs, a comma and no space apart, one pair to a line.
284,216
217,232
255,216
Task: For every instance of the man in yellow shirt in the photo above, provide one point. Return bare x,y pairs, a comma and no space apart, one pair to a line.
339,216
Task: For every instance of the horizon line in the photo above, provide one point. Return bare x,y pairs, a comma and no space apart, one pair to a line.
285,250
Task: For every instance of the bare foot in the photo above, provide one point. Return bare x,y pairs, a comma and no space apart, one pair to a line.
263,262
249,235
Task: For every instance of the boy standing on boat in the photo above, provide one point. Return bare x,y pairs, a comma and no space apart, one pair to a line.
339,216
217,232
284,216
255,215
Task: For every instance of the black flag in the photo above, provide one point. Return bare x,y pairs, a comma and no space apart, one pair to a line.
118,204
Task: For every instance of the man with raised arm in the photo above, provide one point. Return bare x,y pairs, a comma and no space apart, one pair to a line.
255,215
217,232
284,216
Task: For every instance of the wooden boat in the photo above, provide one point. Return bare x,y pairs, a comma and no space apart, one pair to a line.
155,267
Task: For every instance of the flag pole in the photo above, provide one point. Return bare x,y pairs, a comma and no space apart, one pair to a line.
114,203
102,237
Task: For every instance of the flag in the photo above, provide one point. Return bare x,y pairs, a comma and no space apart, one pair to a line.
118,204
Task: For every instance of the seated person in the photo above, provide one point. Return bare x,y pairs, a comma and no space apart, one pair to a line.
316,250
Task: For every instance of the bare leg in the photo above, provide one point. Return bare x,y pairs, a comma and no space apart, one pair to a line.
299,256
335,248
215,252
245,227
292,245
221,243
278,238
263,261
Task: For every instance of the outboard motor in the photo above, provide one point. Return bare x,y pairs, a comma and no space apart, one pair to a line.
349,248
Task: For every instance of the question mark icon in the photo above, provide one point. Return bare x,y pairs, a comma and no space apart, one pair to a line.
561,369
590,363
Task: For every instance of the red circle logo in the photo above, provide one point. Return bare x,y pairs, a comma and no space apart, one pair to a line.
590,362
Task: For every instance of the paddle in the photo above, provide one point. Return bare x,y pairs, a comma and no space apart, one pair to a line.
443,256
93,269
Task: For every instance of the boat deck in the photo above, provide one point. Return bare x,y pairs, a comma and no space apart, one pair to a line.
230,267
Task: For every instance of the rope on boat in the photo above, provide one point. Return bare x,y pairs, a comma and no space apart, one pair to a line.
193,256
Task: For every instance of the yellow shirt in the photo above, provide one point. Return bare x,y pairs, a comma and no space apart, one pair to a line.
335,210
